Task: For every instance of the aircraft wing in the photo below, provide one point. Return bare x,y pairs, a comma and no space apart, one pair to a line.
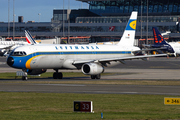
121,59
130,57
8,47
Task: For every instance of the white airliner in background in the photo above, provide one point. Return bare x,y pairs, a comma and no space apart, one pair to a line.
7,46
91,59
159,42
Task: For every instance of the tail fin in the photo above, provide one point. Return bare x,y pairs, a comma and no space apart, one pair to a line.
129,33
158,38
29,38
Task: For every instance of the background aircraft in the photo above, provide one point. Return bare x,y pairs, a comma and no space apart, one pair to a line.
7,46
29,38
91,59
162,45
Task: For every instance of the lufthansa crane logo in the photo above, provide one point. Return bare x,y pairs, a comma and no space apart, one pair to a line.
133,24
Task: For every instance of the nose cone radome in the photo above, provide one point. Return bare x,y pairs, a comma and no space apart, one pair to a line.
10,61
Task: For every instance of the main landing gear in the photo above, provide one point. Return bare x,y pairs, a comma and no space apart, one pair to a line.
57,75
96,76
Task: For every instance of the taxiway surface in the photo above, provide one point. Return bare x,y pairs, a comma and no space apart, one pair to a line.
154,69
91,89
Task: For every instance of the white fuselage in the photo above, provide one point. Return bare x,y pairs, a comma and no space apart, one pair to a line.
63,56
175,46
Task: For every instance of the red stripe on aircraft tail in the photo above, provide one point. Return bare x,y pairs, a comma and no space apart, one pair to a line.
28,40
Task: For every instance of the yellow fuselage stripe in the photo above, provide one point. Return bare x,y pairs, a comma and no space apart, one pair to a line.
28,66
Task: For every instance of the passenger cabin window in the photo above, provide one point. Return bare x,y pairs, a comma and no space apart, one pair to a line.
19,53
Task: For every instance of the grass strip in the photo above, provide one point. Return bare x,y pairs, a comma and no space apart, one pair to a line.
52,106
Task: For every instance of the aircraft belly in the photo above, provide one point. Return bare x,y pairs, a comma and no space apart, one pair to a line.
46,62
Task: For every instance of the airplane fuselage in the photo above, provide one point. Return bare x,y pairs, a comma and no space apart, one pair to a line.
61,56
175,46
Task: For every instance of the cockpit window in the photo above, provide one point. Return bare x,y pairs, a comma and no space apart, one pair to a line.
18,53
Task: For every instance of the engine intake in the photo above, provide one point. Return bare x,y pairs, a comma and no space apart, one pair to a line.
92,69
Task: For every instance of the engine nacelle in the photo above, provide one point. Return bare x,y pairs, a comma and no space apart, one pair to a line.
36,71
92,69
2,50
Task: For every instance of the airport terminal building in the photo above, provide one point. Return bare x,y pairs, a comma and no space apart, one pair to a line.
105,20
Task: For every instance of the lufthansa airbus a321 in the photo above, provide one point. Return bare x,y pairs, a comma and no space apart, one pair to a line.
91,59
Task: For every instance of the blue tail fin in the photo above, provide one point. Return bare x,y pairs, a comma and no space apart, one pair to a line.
158,38
159,41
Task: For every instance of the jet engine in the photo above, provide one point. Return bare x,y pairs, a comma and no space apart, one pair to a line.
2,51
92,69
36,71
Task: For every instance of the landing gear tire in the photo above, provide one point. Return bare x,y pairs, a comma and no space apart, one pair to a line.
55,75
24,78
96,76
58,75
93,76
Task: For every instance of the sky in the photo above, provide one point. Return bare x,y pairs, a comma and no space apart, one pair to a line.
30,9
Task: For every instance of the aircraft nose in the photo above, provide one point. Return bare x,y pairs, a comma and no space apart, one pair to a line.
10,61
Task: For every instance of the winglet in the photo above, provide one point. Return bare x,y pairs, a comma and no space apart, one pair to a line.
129,33
29,38
158,38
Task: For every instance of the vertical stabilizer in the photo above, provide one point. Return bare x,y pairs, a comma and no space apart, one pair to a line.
129,34
29,38
158,38
159,42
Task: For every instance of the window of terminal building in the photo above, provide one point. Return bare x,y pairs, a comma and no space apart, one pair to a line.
165,8
60,17
170,8
160,9
175,8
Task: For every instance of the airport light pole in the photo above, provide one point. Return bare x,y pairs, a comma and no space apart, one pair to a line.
13,21
63,18
8,19
39,16
147,23
141,19
68,24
